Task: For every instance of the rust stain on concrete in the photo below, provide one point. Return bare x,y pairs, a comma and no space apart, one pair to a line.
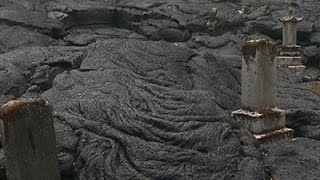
12,108
249,48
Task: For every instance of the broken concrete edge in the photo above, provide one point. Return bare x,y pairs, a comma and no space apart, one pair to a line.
259,113
249,47
12,107
274,133
267,121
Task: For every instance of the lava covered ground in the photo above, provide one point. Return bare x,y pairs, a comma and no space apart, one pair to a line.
142,89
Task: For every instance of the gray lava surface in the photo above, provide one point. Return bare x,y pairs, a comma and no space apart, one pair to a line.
142,89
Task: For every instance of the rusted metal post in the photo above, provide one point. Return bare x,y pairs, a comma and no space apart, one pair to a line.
29,140
259,65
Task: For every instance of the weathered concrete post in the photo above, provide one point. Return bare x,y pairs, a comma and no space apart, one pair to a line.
290,28
258,111
290,57
259,88
29,140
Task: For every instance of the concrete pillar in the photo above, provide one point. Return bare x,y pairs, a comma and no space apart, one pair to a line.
290,28
258,88
290,59
289,34
258,94
29,140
